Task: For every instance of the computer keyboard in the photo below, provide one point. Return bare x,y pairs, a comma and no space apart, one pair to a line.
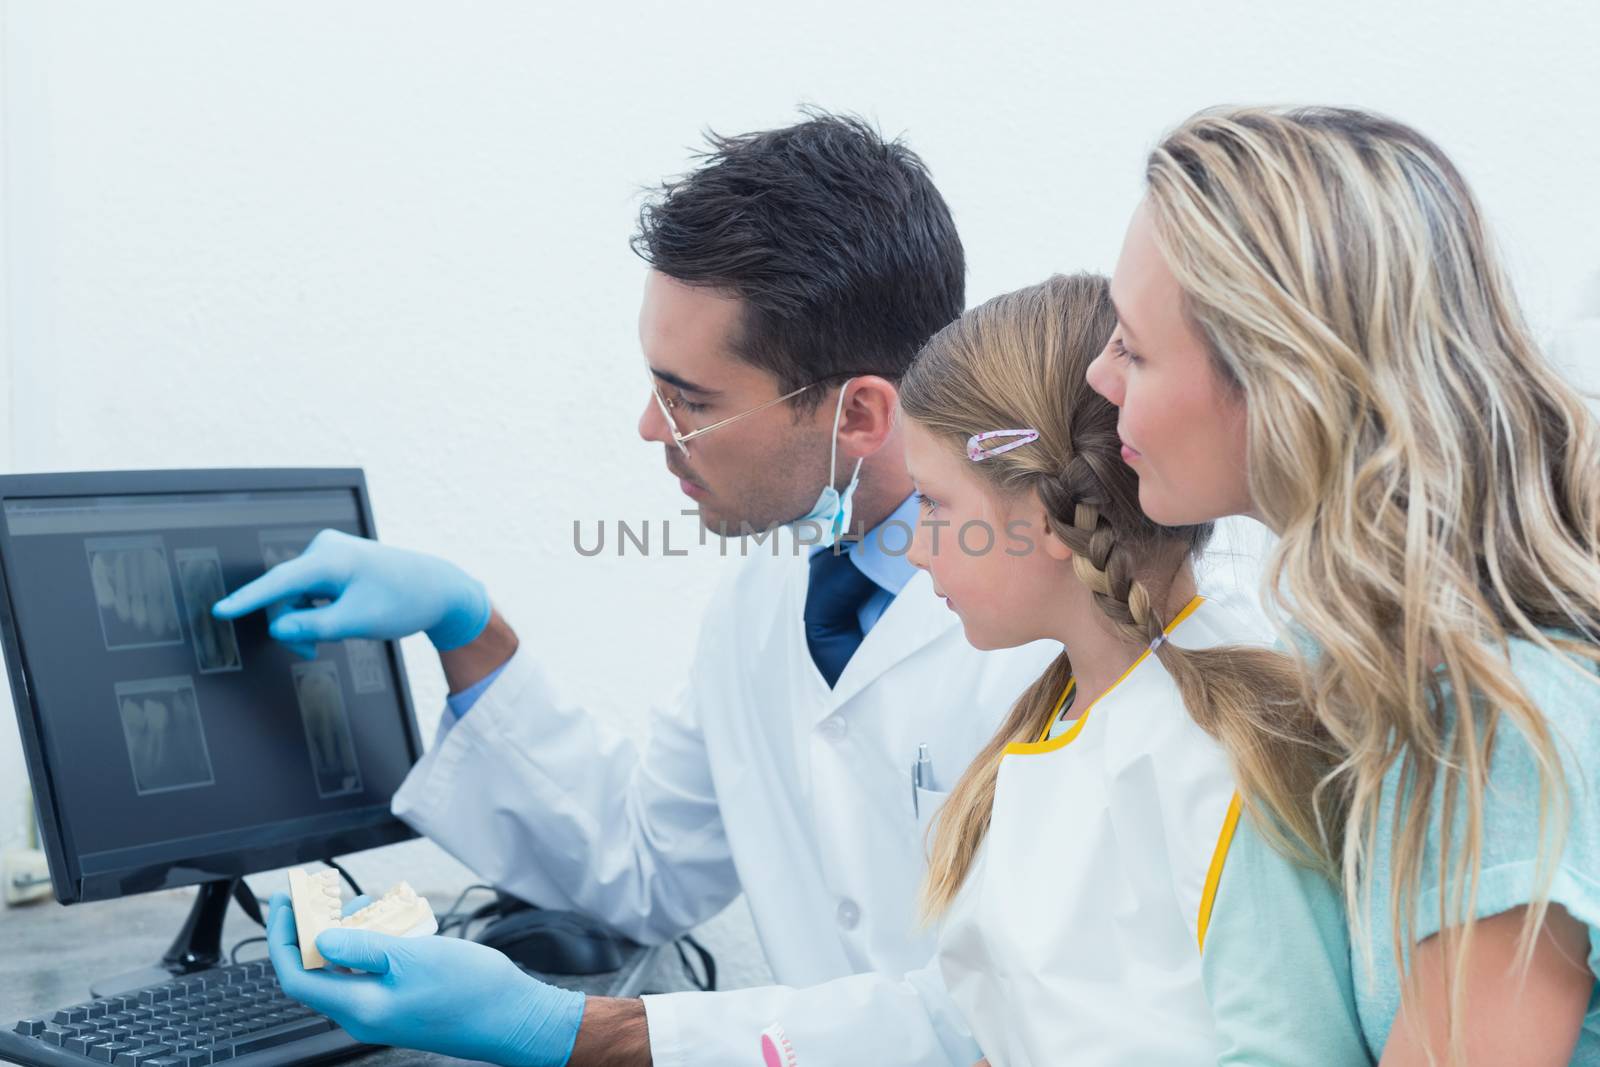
234,1015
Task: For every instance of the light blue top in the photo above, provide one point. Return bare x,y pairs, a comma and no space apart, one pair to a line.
1276,963
880,555
1570,702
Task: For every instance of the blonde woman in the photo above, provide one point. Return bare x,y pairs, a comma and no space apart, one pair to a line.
1314,329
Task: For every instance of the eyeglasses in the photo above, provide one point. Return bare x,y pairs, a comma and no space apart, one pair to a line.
682,439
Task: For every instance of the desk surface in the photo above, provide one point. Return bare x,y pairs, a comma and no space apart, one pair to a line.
49,954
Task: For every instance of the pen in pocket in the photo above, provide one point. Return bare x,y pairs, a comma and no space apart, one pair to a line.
921,777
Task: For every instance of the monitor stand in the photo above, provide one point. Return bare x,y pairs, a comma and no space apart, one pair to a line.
197,947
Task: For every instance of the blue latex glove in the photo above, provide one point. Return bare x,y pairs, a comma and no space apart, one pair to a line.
441,994
373,591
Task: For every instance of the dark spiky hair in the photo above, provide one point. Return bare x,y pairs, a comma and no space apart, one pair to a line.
843,252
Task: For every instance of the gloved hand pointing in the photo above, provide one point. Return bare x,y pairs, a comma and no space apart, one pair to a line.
377,592
442,994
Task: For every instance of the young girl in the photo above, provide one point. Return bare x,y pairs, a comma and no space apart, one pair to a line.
1314,329
1102,902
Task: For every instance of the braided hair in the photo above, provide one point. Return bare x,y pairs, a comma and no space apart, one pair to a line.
1020,360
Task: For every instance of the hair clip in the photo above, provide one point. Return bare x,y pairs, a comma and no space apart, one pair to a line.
977,454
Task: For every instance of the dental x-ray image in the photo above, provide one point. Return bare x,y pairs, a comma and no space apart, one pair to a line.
333,753
366,665
200,574
280,546
133,591
166,740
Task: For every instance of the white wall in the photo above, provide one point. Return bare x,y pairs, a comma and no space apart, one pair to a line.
393,233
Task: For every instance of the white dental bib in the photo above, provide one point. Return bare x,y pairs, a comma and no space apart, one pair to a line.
1076,936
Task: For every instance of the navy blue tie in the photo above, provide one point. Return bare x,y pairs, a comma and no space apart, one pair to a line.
833,597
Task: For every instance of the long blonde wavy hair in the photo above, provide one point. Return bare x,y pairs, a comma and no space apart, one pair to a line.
1020,360
1435,484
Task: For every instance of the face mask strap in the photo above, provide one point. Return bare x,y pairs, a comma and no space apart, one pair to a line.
833,452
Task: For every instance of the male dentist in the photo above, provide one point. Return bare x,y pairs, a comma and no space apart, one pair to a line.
793,276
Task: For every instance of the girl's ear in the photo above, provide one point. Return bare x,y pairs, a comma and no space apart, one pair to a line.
1040,519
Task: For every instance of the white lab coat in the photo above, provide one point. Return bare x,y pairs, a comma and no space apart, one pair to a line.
1076,936
758,778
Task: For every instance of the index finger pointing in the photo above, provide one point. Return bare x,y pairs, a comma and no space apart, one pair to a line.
290,580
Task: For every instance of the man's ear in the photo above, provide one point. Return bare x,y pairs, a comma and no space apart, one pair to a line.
870,403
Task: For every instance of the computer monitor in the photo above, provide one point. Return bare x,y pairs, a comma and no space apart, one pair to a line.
168,748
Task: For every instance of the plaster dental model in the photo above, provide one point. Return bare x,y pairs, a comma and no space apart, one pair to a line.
400,911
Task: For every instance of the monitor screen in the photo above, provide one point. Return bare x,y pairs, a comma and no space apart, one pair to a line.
178,746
